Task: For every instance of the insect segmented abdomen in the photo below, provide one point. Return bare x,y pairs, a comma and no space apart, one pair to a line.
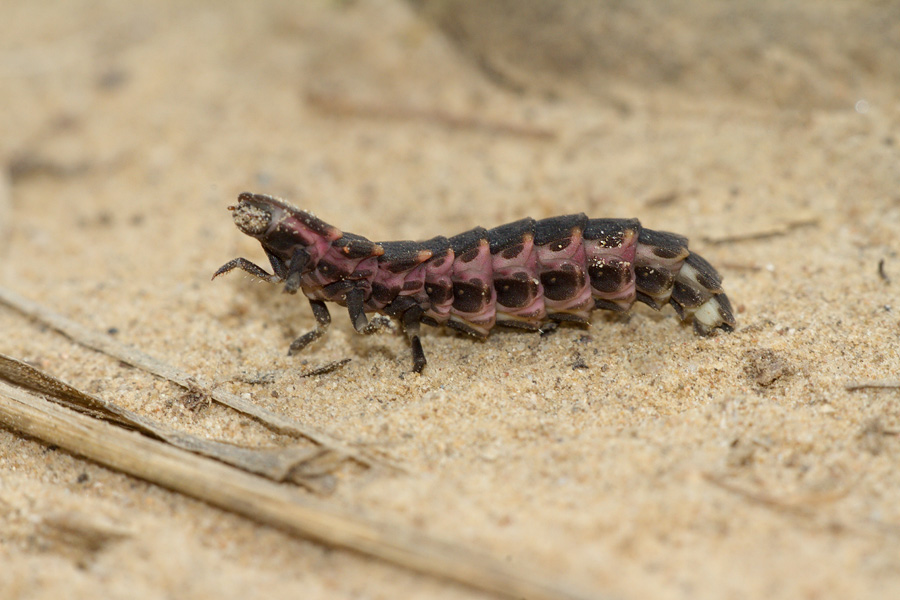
521,274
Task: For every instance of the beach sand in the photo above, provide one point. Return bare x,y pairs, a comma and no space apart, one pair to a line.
632,459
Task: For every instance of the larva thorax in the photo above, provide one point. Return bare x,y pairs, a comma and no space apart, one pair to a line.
521,274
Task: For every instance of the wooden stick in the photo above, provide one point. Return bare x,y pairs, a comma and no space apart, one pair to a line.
5,211
802,503
300,465
337,105
106,344
263,501
775,230
887,384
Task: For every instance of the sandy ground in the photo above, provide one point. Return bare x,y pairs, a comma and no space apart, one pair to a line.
736,466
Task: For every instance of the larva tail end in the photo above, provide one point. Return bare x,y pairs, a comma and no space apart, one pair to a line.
714,314
697,293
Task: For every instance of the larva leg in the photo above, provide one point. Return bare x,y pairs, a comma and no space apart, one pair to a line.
323,320
357,312
608,305
411,324
278,266
245,265
293,271
568,318
410,316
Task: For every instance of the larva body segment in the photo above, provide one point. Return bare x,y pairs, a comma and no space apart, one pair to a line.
522,274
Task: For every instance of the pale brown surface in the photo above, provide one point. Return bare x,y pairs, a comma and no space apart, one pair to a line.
673,467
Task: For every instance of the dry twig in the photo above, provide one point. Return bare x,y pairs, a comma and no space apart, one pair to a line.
886,384
326,368
278,464
5,210
336,105
882,273
106,344
736,266
264,501
663,199
801,504
773,231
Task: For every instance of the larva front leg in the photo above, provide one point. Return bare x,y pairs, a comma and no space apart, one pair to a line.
323,320
339,291
412,320
410,313
355,299
293,272
282,271
245,265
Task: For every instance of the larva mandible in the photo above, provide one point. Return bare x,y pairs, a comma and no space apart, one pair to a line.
522,274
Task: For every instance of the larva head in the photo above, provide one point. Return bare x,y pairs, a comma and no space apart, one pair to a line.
252,217
280,227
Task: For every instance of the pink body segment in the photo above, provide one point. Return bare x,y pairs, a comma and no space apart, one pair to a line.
520,269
